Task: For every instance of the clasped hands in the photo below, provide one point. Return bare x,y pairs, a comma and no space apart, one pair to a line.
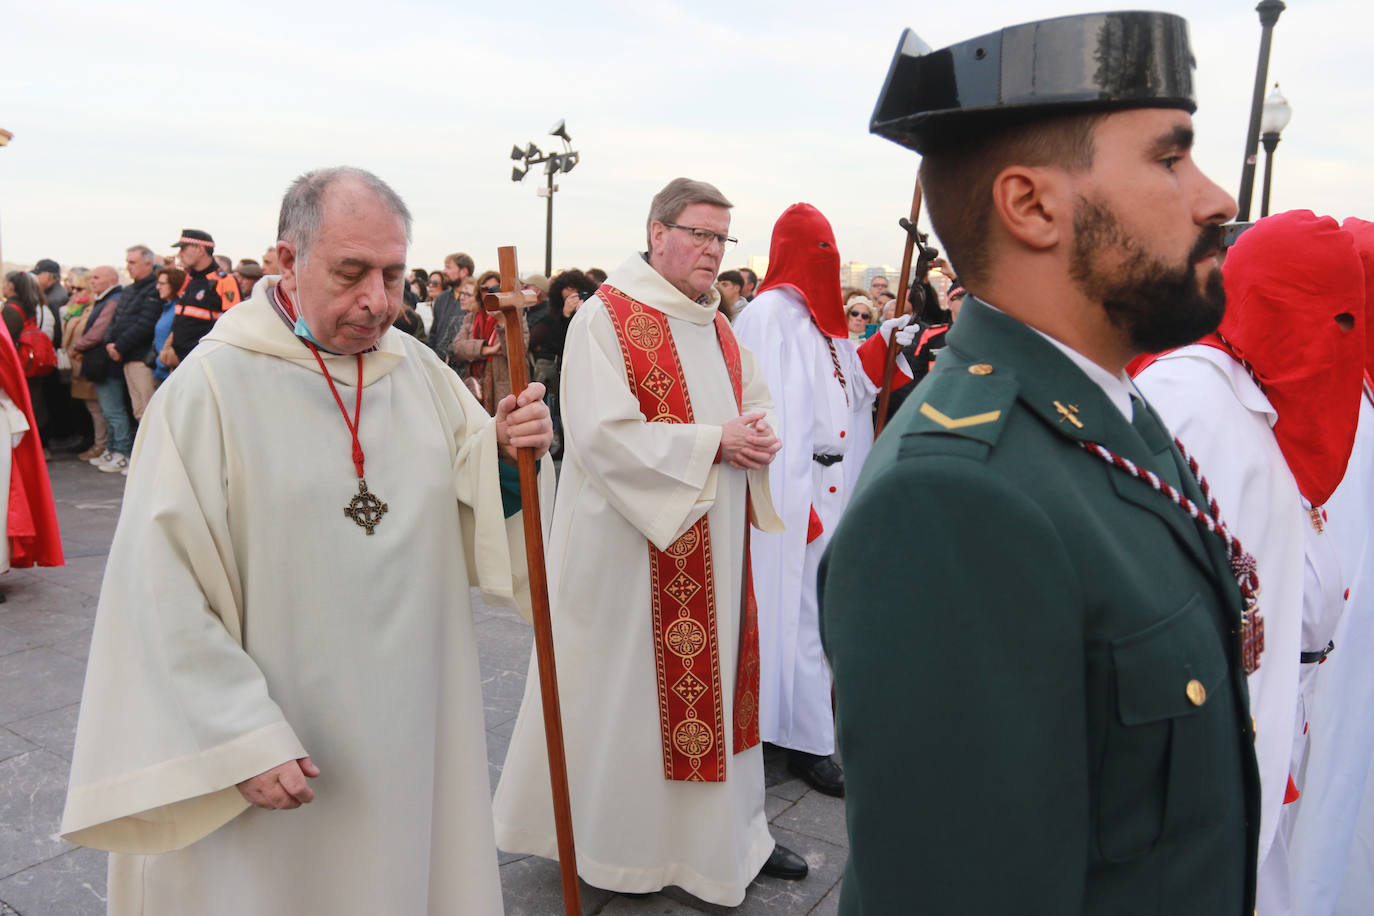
748,442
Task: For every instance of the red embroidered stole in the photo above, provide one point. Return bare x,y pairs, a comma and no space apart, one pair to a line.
682,584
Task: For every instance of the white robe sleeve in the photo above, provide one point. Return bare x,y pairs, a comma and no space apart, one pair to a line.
660,477
1239,457
174,712
497,560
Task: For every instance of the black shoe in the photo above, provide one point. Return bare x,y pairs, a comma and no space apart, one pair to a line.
821,773
784,863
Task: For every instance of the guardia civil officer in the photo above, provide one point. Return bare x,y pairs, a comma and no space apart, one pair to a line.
1045,710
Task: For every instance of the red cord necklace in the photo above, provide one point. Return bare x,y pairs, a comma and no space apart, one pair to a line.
364,508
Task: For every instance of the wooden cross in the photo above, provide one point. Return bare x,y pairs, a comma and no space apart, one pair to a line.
509,301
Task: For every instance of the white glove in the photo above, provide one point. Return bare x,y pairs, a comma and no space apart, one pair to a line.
905,326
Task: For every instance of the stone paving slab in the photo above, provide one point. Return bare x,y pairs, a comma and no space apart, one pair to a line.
32,789
36,681
73,884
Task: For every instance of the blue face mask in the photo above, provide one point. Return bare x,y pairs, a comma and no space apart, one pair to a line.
302,330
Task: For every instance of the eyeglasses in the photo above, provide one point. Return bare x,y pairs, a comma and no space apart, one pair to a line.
703,237
854,314
434,283
467,293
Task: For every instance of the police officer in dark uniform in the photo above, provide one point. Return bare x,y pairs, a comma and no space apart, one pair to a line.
1042,707
210,291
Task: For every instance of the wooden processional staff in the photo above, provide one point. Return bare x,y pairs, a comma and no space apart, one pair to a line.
903,307
509,301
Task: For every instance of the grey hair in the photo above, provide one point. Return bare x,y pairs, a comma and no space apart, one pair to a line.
302,209
679,194
144,250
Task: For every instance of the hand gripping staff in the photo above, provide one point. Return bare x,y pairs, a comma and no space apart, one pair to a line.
903,307
509,301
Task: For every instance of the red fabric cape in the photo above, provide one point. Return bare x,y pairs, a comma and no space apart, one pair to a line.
32,524
1363,233
803,255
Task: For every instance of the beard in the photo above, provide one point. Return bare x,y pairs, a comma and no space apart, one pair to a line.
1157,305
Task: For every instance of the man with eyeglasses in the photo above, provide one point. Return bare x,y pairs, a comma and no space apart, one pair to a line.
666,449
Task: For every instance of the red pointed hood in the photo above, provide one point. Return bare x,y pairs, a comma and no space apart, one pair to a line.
1363,232
803,256
1288,279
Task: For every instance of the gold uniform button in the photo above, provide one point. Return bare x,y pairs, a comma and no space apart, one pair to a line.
1197,694
980,369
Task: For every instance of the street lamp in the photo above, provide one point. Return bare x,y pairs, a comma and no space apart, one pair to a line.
1277,113
553,164
1269,11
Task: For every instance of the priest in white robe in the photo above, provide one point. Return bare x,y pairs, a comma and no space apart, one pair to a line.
658,797
284,621
824,389
1269,405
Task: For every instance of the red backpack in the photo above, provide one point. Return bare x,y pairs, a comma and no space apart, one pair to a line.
36,353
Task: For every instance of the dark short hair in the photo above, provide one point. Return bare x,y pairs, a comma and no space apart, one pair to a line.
731,276
574,278
597,275
461,260
957,175
753,277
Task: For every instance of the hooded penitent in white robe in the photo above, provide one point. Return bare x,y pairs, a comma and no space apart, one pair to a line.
794,679
626,482
245,621
1212,405
1333,840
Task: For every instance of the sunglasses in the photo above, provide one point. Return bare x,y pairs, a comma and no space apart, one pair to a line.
854,314
491,289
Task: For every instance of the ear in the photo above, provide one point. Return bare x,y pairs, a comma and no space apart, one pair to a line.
656,233
286,264
1031,203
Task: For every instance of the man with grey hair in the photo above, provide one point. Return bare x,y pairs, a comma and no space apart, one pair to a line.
666,448
129,338
261,642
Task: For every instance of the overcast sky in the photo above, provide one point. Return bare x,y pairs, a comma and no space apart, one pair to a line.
133,120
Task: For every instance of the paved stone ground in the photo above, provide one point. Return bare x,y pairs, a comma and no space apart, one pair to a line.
44,637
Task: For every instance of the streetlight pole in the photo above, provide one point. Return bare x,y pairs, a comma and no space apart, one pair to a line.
553,164
1277,113
1269,11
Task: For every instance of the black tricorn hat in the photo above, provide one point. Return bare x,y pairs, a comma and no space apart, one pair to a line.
1085,63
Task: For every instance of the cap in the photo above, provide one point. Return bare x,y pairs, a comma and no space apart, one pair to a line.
194,237
537,281
47,266
1086,63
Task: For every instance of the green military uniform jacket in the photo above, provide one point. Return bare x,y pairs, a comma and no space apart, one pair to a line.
1041,704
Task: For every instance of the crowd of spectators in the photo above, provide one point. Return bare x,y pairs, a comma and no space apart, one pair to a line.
115,338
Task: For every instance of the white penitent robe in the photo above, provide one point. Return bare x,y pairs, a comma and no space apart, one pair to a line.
1209,401
1333,840
819,418
13,425
245,620
626,482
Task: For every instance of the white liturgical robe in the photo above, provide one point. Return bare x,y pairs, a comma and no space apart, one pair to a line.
626,482
245,620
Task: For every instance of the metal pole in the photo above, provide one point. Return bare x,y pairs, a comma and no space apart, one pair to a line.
548,232
1271,142
1269,11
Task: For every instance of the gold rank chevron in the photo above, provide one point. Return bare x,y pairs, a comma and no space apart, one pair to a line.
976,419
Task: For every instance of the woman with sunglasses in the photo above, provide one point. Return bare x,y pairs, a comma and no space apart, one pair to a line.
481,343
